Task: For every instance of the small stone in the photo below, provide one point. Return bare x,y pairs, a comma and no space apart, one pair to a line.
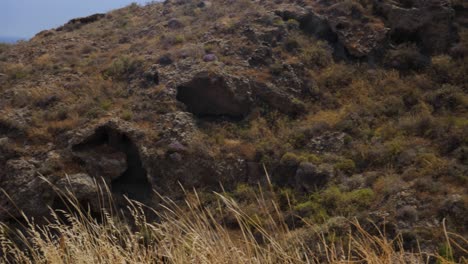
209,57
165,60
174,24
310,177
175,157
176,147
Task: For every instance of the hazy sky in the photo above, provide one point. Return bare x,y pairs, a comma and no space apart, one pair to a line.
25,18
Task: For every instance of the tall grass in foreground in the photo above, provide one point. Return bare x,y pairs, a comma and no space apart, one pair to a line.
190,233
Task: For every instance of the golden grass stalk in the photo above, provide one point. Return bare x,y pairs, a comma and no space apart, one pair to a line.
192,233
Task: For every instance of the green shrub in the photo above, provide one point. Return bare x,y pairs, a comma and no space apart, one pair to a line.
346,203
286,198
245,192
293,159
311,210
127,115
446,252
94,112
346,165
292,24
106,105
179,39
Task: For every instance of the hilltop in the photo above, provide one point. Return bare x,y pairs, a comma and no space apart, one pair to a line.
354,108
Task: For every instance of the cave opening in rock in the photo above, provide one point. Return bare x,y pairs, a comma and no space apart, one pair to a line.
133,182
210,96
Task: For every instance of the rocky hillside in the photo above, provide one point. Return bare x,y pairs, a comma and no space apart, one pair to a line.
355,108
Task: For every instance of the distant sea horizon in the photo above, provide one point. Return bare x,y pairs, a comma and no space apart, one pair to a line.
10,40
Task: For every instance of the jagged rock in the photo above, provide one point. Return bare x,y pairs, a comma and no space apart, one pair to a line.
310,177
82,187
292,78
288,11
174,24
26,191
209,57
429,23
176,147
455,208
196,168
317,25
204,4
78,22
13,124
52,164
277,98
151,76
356,181
165,60
178,127
271,35
261,56
327,142
359,34
341,24
87,20
215,94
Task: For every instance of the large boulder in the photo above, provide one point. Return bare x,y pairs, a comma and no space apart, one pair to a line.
82,187
327,142
177,127
360,33
343,24
310,177
103,160
215,94
25,190
428,23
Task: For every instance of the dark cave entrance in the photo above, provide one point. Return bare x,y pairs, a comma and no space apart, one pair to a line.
210,97
133,182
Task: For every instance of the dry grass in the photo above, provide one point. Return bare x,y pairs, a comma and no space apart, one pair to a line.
191,233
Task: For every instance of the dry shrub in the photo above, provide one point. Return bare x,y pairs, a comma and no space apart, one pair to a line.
190,233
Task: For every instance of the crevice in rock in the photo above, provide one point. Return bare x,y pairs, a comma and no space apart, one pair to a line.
399,36
133,182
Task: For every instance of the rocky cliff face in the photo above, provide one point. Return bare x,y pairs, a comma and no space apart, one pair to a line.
327,95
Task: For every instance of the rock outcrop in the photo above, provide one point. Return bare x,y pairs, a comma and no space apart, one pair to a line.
24,190
361,33
427,23
79,22
215,94
110,153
